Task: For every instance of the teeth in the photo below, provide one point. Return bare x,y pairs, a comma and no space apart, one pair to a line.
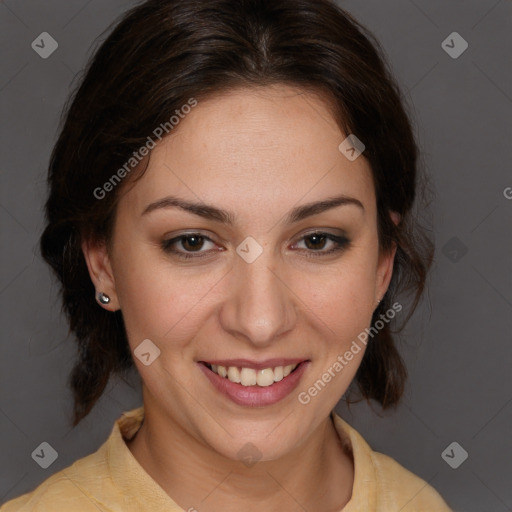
278,373
251,377
265,377
287,370
247,377
234,374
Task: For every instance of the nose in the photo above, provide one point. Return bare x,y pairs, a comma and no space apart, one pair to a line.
260,304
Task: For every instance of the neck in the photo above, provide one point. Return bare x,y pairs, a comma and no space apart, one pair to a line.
196,477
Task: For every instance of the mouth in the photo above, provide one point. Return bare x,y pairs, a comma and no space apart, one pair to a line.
247,376
254,384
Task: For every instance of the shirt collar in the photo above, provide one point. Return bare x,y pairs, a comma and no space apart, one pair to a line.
134,482
128,475
364,490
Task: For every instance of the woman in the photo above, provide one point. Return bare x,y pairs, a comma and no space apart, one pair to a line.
230,210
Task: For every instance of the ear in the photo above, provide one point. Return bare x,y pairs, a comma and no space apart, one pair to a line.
100,270
385,265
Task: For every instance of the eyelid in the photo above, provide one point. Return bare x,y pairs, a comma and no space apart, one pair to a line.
324,231
206,235
173,239
341,242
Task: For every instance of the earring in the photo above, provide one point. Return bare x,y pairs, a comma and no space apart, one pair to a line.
103,298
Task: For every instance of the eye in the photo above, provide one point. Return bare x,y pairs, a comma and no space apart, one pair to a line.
317,241
192,243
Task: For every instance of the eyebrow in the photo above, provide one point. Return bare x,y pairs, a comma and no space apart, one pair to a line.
225,217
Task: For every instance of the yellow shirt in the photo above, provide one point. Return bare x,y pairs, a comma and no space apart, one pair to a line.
112,480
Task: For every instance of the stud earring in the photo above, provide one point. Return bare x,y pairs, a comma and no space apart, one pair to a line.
103,298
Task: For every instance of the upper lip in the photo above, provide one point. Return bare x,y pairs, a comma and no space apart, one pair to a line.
256,365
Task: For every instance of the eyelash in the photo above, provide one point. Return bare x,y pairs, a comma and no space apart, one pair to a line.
341,242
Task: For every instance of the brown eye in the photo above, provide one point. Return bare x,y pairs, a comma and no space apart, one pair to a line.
192,242
316,242
184,245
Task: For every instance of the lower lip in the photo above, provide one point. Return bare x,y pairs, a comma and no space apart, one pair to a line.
256,396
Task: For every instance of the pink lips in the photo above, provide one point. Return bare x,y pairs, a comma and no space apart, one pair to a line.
255,396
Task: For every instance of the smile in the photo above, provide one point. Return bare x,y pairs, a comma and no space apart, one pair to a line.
253,384
251,377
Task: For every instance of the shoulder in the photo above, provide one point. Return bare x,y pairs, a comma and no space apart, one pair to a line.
88,484
381,483
405,490
56,494
68,489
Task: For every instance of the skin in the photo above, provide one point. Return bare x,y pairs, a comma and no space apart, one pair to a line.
257,153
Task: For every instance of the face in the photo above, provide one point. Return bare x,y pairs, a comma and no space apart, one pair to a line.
277,285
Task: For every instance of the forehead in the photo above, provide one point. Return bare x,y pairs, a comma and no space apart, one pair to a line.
254,145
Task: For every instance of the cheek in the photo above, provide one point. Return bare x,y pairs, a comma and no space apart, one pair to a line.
160,301
150,299
343,299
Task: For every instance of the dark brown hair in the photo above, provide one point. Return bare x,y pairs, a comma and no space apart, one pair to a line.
160,54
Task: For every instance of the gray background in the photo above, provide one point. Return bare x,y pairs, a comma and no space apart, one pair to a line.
457,346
